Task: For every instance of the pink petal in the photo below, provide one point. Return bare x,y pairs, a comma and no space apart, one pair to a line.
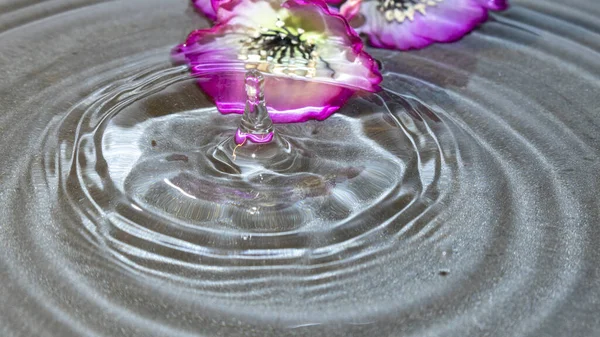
250,13
447,21
350,9
317,13
495,5
357,69
205,7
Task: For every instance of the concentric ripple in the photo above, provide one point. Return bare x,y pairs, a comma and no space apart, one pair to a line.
459,201
164,185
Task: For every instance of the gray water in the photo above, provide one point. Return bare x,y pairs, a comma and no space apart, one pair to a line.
459,201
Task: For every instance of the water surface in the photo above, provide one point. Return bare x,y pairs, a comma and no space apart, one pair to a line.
464,206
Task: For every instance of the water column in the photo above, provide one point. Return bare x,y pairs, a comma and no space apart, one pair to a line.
256,125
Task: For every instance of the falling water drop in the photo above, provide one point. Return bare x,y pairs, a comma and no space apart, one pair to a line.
256,125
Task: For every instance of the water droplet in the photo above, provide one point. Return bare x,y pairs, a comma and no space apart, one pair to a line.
445,252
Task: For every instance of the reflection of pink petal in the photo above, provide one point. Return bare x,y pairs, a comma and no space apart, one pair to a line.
213,57
242,137
447,21
288,100
205,7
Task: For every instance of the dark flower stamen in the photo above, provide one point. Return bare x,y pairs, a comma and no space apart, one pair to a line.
280,50
278,45
400,10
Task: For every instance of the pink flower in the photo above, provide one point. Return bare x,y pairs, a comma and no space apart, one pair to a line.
312,60
408,24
